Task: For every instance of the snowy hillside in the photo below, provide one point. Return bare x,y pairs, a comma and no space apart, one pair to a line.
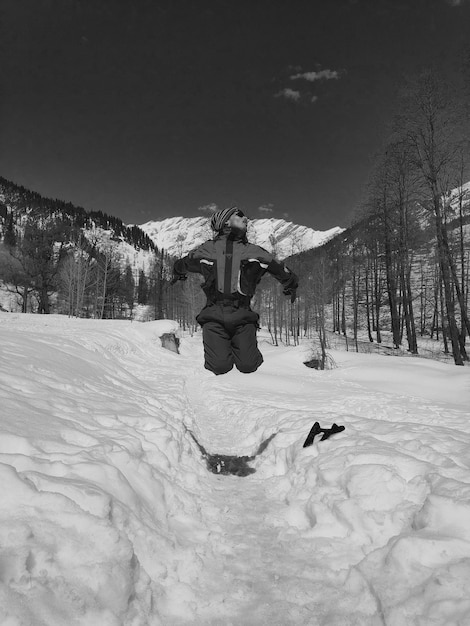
110,517
179,235
122,251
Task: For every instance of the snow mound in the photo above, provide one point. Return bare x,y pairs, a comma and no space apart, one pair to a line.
110,516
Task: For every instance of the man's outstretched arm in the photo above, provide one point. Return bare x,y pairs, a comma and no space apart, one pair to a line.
286,277
278,270
190,263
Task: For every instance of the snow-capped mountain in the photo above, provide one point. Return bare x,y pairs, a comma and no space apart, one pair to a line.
179,235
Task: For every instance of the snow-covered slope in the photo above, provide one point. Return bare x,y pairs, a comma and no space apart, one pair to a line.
110,517
179,235
121,251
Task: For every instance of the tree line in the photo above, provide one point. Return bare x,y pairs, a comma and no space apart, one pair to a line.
51,266
401,271
20,202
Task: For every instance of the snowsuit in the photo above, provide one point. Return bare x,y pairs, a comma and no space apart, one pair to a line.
231,268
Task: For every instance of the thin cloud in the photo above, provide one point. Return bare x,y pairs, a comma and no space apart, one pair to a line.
311,77
265,208
208,208
289,94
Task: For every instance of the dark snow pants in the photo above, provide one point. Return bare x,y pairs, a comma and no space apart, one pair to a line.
229,338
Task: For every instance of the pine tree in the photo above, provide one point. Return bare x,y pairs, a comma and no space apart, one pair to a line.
10,234
128,288
142,288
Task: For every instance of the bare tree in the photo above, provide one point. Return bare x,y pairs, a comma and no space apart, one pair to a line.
75,278
322,291
432,127
34,260
14,279
106,278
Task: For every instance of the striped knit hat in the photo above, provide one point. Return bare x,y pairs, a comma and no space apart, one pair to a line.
220,217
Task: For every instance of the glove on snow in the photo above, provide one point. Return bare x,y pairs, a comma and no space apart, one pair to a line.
317,429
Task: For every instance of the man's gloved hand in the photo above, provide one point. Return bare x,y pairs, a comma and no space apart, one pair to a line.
292,292
177,277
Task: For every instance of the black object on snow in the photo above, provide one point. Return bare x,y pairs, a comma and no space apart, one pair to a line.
317,429
228,464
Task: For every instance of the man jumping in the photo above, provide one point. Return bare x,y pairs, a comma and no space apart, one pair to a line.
232,268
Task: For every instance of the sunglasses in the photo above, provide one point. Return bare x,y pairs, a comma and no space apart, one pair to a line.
239,213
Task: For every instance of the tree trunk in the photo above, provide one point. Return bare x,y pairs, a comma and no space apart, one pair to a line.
391,282
368,312
44,304
378,301
355,306
447,286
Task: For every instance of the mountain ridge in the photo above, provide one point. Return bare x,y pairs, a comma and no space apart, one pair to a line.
179,235
176,236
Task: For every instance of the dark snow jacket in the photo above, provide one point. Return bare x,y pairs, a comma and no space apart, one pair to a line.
232,267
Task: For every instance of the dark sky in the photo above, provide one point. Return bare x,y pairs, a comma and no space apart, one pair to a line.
148,109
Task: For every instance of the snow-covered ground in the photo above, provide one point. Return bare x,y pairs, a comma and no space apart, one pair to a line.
109,515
